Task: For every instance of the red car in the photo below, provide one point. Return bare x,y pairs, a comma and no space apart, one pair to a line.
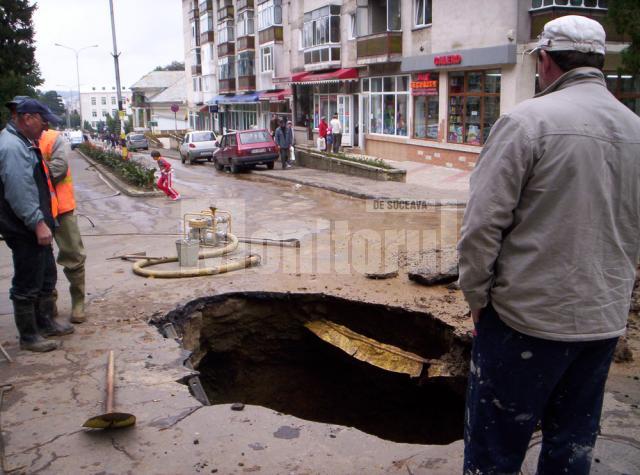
246,149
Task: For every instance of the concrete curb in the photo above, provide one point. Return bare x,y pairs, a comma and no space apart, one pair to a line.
117,183
366,196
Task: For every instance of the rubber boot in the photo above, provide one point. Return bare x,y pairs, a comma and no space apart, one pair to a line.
24,313
76,288
47,325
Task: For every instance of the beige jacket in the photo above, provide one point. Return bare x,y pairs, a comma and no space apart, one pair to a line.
551,235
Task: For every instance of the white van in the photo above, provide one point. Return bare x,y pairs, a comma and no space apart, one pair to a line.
75,138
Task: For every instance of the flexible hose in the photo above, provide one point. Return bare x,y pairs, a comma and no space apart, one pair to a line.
251,260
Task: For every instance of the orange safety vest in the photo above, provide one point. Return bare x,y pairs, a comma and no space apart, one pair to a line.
64,188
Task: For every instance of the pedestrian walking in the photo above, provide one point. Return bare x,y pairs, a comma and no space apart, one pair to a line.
165,183
284,140
28,207
71,253
323,130
548,254
336,131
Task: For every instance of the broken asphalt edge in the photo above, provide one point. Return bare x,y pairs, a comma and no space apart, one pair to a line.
116,182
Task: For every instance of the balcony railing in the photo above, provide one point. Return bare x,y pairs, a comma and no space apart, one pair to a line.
246,83
242,4
226,49
227,85
273,33
573,4
379,47
225,13
206,37
246,42
205,5
196,69
193,14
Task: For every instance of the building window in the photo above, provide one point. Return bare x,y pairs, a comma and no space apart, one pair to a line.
105,113
474,105
424,90
266,62
626,88
321,35
423,12
93,101
225,32
388,105
94,114
114,112
113,100
353,27
197,84
239,117
195,35
269,14
246,65
206,22
103,101
226,68
245,24
595,4
196,58
378,16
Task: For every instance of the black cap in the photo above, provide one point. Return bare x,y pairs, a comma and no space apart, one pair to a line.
32,106
15,101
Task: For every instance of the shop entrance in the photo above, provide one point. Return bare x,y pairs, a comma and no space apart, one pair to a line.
345,106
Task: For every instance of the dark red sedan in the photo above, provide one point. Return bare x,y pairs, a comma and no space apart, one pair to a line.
246,149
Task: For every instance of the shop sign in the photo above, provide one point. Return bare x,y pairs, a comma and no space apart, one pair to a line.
424,85
447,59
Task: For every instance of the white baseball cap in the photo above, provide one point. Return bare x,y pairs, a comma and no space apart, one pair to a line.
572,33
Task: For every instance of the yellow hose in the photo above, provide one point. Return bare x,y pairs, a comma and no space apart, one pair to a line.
251,260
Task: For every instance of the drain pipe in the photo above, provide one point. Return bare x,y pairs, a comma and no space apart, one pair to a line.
139,267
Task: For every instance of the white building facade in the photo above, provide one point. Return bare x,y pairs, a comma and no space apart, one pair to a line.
98,102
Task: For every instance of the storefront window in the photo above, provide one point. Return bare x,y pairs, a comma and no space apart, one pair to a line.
626,88
388,105
474,105
424,89
240,116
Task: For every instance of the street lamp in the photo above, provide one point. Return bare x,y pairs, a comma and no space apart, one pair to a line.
77,52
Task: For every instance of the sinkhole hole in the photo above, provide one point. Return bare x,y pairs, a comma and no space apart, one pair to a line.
387,371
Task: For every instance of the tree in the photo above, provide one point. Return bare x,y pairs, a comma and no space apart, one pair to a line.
87,126
75,119
19,71
100,126
625,17
174,66
53,101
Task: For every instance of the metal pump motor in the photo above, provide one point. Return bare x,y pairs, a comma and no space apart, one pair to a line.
209,227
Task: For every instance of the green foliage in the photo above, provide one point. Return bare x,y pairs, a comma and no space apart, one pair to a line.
174,66
129,171
87,126
100,126
53,101
19,72
625,16
75,120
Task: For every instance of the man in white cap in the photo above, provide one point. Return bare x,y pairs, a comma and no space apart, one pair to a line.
548,253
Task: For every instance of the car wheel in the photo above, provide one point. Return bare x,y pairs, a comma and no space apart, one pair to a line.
271,165
219,166
234,168
209,159
191,160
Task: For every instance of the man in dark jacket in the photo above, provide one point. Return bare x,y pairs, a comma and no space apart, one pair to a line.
284,140
26,223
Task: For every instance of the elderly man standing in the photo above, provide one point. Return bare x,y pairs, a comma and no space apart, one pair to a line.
26,223
548,253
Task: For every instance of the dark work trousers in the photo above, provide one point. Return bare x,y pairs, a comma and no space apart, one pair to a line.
284,156
337,142
34,269
517,380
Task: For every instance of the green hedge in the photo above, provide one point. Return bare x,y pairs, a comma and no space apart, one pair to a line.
131,172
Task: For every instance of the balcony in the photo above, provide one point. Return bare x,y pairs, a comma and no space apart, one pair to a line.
196,69
205,5
226,49
243,4
543,11
227,85
246,83
246,42
274,33
193,14
379,47
225,13
206,37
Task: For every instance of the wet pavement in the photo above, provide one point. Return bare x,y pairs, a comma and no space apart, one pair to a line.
342,238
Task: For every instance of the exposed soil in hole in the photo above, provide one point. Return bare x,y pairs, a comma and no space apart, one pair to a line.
254,348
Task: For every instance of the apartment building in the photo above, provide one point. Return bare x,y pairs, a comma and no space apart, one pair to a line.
100,101
420,80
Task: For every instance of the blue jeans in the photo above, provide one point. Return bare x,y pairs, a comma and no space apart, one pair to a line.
515,381
34,269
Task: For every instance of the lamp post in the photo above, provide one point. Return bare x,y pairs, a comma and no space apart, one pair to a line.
77,52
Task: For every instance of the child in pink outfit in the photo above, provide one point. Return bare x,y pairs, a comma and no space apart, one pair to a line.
165,183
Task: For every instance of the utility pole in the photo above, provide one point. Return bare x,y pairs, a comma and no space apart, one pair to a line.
115,55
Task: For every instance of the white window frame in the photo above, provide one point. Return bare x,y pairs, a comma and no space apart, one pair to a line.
94,101
353,34
374,95
245,24
226,68
245,64
113,100
268,13
226,32
103,101
94,113
425,6
266,59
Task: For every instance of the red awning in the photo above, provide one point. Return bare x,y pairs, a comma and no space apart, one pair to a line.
204,108
345,74
275,96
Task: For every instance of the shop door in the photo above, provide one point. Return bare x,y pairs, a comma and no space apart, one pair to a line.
345,118
363,120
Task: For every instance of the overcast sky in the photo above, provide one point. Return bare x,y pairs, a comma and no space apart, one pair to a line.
148,32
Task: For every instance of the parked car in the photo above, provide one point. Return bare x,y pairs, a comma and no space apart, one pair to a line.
75,138
137,141
246,149
198,145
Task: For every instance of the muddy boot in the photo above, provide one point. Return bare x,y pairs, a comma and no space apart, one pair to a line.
54,294
76,288
24,313
47,325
